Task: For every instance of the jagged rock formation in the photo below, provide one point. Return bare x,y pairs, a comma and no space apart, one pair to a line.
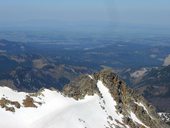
126,98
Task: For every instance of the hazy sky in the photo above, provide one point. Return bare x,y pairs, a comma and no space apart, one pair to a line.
50,13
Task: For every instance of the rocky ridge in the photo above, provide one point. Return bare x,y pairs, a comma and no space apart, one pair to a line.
126,98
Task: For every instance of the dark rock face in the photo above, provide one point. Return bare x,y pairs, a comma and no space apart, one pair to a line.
126,98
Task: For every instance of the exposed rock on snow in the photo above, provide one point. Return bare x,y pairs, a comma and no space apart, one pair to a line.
165,117
101,100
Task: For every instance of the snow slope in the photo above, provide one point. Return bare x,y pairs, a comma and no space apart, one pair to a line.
58,111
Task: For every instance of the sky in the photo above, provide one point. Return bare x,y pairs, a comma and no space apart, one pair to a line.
57,13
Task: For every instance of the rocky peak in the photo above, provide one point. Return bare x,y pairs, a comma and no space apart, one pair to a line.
81,87
128,101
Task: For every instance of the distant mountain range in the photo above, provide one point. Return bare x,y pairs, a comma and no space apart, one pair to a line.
25,70
29,67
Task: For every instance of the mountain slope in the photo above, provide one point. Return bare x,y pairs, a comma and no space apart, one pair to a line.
155,86
25,69
100,100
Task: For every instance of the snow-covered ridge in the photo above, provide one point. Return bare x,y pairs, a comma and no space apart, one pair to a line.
54,109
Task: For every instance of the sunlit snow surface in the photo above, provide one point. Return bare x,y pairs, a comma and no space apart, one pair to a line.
58,111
